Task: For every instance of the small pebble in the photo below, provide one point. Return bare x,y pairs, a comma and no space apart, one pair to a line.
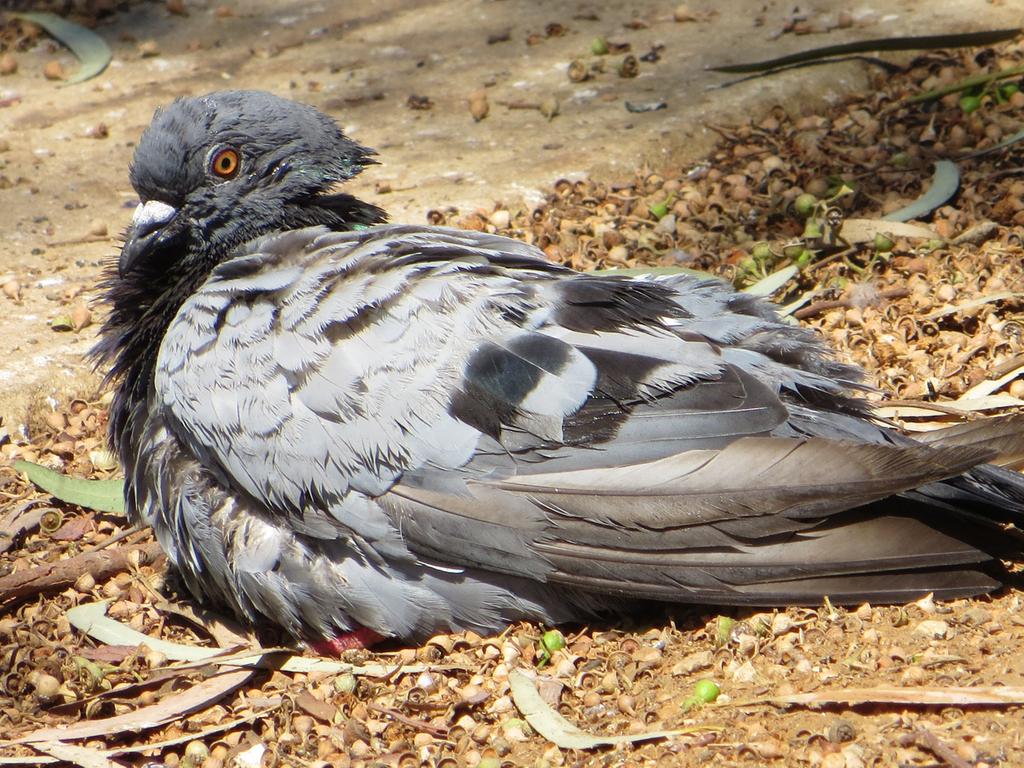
745,673
549,107
81,317
934,628
176,7
12,290
53,70
47,688
98,131
148,49
8,64
501,218
683,14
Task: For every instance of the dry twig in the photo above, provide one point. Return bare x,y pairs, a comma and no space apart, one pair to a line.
102,564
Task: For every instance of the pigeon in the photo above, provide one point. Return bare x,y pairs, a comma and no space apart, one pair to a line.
353,430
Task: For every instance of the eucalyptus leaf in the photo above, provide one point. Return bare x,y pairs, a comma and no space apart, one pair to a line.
101,495
91,619
769,285
90,49
913,43
945,183
555,728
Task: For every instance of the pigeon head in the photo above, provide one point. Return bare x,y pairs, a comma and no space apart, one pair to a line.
216,171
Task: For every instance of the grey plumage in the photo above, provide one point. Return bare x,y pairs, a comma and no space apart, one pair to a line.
413,429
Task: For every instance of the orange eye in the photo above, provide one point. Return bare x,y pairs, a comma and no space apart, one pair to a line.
225,163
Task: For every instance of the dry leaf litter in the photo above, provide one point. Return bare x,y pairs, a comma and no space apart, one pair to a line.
917,314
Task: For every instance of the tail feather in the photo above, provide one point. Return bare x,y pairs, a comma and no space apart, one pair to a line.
1003,434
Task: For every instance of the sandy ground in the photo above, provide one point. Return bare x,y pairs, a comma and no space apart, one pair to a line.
59,185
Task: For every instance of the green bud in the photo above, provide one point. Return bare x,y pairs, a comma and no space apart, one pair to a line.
706,691
883,244
805,203
553,640
969,103
723,631
793,251
659,210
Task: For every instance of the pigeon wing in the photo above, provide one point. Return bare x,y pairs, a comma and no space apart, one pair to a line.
453,398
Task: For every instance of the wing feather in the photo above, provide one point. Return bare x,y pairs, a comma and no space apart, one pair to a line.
451,396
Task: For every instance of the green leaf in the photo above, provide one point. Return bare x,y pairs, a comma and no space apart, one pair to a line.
944,185
92,51
968,83
101,495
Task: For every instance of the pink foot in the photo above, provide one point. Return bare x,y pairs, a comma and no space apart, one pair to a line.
360,638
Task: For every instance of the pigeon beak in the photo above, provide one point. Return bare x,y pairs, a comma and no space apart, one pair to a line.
149,231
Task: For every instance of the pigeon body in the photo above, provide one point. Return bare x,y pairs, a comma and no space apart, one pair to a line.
415,429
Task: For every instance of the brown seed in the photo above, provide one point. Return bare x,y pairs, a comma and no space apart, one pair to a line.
53,70
148,49
224,11
478,105
177,7
8,64
98,228
12,290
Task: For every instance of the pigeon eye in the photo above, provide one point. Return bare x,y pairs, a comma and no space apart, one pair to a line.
225,163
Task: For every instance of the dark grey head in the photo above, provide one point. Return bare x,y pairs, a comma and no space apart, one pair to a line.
215,171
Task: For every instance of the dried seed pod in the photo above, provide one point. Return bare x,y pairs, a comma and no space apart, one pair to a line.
578,71
427,682
51,521
629,67
195,755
